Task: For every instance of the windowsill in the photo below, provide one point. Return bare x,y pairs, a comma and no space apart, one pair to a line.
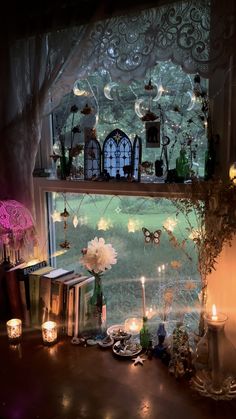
113,187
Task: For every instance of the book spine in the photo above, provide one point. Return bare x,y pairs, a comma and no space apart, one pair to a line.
44,305
76,312
14,295
70,312
34,298
26,312
57,301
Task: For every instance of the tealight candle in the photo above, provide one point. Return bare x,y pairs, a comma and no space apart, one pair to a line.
14,329
49,332
133,325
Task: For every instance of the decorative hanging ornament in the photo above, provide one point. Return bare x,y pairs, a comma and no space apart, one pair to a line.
149,115
75,221
107,89
87,110
78,90
65,214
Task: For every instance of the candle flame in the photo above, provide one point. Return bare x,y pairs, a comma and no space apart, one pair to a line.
214,313
142,279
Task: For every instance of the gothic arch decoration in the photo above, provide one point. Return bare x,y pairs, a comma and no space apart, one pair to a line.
117,153
92,159
136,158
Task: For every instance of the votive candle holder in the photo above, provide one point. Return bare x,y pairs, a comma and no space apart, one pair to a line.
49,332
14,330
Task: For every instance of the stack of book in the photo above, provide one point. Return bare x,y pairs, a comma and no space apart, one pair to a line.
43,293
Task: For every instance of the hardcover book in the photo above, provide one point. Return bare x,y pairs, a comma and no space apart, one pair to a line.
83,293
34,291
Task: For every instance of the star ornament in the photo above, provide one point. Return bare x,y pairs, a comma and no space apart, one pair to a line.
138,360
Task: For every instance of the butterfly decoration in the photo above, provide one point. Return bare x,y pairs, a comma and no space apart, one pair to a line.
151,237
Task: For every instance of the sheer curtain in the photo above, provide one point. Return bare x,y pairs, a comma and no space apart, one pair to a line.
39,71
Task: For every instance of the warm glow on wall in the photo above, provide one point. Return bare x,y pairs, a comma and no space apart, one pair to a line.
232,172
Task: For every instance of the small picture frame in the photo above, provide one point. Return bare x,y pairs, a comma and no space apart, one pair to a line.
152,134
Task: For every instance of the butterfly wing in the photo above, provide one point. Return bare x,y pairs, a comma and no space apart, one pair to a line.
156,236
147,235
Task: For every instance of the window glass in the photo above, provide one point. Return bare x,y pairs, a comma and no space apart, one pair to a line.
172,280
178,100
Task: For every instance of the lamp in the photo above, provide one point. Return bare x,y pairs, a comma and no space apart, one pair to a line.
16,231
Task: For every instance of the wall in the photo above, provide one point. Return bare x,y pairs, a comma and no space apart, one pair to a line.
222,288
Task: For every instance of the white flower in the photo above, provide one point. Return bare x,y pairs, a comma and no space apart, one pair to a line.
98,256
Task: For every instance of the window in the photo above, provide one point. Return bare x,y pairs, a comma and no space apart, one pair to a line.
166,90
172,279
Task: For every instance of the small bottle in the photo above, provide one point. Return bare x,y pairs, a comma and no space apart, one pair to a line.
144,334
182,166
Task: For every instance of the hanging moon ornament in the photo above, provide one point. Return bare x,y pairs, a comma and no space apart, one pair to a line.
160,90
107,89
192,100
78,91
137,109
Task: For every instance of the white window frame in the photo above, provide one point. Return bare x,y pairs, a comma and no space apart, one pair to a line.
155,190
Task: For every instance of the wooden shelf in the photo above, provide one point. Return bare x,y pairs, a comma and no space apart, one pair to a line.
166,190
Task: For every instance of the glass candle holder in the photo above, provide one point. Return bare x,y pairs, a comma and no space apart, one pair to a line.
14,329
133,325
214,379
49,332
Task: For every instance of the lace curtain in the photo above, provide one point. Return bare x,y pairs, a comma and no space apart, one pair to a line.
198,35
39,71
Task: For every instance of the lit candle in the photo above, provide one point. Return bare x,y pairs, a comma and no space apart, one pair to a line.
149,313
214,316
14,329
49,332
133,325
143,295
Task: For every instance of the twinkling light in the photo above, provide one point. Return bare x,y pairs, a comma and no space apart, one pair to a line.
56,216
170,224
104,224
133,225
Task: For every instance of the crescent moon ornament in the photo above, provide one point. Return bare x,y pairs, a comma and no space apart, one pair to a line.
79,91
192,100
160,90
107,89
137,109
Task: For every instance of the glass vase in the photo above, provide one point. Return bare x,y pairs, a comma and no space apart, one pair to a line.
215,357
97,310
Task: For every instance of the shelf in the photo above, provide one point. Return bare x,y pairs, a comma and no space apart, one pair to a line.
165,190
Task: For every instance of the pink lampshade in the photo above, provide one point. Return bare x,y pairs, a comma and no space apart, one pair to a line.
16,225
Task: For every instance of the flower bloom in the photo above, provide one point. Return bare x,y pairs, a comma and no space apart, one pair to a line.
98,256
